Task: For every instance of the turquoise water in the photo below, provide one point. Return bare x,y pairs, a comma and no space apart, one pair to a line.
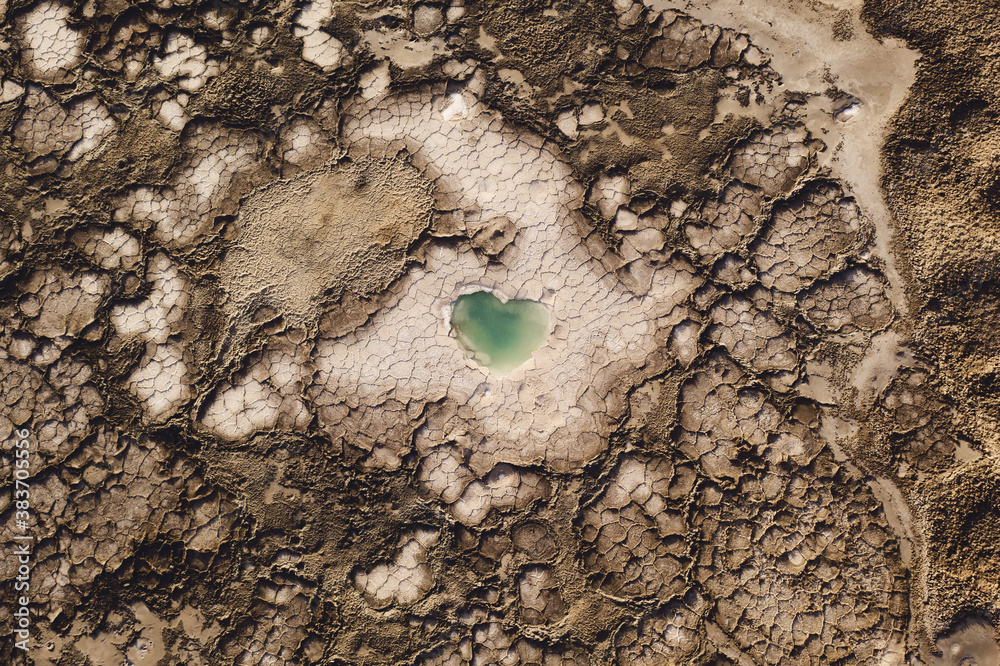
499,336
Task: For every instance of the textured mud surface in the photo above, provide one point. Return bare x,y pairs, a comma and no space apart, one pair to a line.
761,430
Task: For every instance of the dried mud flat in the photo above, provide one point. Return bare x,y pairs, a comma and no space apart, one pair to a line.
762,429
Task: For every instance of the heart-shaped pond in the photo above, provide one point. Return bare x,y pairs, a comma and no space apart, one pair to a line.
497,335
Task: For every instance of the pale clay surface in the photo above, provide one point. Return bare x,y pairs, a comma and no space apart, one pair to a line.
407,353
51,47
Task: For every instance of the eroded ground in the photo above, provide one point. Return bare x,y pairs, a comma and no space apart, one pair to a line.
761,428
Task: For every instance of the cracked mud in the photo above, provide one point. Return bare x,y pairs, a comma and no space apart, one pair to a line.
500,332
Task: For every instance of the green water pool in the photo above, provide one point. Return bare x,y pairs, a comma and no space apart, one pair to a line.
497,335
